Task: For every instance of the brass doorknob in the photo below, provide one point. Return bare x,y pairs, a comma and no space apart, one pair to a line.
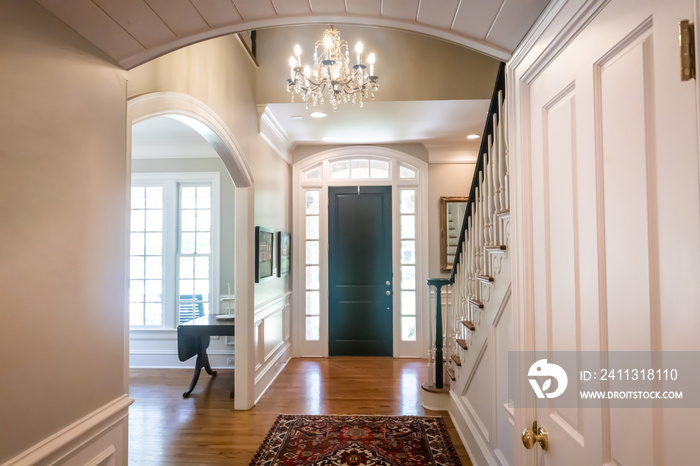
536,435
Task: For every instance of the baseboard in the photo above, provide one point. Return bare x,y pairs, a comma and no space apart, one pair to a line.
477,449
98,439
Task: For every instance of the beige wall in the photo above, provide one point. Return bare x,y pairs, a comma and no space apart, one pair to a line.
410,66
444,179
62,249
220,74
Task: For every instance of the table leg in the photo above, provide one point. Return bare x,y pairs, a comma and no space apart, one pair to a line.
202,362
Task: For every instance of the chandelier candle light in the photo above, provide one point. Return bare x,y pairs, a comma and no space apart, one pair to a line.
332,78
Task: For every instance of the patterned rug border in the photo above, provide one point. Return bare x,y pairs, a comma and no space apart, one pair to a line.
449,446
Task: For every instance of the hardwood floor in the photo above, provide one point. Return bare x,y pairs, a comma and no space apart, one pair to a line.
165,429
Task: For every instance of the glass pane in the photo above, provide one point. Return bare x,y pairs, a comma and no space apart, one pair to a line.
203,243
154,220
408,252
136,291
204,220
154,313
408,227
406,173
187,243
201,267
154,197
186,290
340,170
154,267
187,267
187,197
312,277
138,197
154,244
203,197
187,220
408,328
313,174
137,244
312,227
313,302
312,252
154,291
408,277
138,220
359,169
136,268
313,328
378,169
408,201
201,289
312,202
136,314
408,303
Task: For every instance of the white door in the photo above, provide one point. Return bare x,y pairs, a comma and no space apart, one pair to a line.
607,201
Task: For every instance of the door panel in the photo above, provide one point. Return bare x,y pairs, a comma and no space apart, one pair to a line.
614,221
359,258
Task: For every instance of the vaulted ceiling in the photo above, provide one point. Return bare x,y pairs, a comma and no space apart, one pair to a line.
133,32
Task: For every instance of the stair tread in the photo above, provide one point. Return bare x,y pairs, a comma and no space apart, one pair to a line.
484,278
476,303
451,374
462,343
469,324
456,359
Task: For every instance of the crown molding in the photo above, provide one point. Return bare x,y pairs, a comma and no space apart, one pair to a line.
274,134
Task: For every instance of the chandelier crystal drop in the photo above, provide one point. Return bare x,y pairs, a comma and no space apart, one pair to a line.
332,78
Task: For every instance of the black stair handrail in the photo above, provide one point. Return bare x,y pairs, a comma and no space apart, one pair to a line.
480,160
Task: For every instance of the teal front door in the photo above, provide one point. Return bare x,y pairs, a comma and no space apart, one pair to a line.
359,271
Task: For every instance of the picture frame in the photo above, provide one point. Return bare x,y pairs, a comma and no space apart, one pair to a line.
264,253
284,253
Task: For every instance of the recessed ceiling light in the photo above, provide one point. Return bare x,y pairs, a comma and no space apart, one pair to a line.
296,117
327,138
473,136
319,115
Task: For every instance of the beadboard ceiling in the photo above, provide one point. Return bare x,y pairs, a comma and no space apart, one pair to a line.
133,32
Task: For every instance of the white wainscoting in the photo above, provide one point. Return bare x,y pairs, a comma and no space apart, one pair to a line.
479,394
98,439
272,341
158,348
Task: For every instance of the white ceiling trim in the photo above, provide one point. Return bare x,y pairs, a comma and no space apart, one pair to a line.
482,46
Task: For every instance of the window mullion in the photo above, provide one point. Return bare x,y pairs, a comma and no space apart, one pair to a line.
171,228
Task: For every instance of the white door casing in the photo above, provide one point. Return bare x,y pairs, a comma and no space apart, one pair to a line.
606,215
396,159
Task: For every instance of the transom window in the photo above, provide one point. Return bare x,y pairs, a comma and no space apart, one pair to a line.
174,240
360,169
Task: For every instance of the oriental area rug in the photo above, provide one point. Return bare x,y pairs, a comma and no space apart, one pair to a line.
356,441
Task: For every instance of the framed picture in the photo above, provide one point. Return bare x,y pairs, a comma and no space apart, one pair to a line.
284,253
264,247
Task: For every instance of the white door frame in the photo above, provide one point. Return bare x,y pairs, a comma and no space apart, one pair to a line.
302,347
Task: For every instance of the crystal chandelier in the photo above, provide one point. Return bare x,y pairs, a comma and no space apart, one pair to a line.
332,78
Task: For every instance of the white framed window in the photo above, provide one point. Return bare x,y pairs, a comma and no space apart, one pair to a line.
174,265
361,166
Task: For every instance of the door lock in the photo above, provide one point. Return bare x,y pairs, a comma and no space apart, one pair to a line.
536,435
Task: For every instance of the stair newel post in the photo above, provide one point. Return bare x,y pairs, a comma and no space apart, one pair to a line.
437,336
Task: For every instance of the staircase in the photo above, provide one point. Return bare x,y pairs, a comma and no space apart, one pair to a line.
476,303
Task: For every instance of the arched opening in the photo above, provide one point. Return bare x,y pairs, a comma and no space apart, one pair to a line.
173,126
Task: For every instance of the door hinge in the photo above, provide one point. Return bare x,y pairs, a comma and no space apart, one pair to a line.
686,36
